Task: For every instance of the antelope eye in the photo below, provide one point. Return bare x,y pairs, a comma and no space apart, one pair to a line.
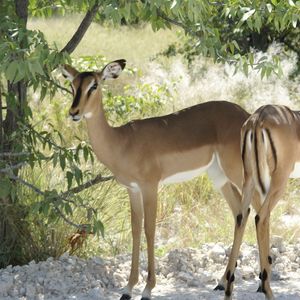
94,87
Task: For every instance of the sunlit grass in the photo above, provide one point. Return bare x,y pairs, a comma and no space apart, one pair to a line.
137,44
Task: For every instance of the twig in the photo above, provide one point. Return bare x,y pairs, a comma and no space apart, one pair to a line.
33,187
64,196
10,168
58,85
87,184
14,154
177,23
78,226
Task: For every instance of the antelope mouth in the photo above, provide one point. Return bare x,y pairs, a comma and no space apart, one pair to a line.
76,118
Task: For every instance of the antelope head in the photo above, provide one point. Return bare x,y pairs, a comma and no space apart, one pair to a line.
86,87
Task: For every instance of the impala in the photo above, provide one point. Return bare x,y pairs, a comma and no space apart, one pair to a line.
270,155
144,154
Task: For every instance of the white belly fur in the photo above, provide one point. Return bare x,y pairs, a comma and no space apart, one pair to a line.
296,172
216,173
213,168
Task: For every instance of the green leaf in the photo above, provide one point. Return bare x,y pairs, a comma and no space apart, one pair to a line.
69,179
68,209
62,161
251,59
291,3
21,74
78,175
99,227
236,45
174,3
11,71
86,154
231,46
269,71
263,72
38,68
245,68
247,15
294,20
43,92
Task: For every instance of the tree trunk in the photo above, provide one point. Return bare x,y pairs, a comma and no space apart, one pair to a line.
13,227
16,101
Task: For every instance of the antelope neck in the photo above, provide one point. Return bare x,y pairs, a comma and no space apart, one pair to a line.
102,136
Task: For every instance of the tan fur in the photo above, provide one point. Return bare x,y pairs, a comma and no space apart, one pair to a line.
143,153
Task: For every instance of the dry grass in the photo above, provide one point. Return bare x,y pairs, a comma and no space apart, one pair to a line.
132,43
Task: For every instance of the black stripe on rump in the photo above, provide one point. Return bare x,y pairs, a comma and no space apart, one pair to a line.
244,146
257,165
272,147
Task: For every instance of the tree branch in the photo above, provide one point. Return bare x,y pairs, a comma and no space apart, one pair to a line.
162,15
64,196
57,85
83,27
78,226
14,167
87,185
5,154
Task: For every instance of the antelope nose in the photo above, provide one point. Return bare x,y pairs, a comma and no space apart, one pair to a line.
73,114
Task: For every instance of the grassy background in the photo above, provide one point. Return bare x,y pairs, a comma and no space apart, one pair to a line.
181,207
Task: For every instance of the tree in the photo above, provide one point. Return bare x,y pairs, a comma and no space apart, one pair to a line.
27,62
224,30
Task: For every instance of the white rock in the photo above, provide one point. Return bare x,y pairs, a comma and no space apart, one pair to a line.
277,242
40,280
217,253
22,291
247,272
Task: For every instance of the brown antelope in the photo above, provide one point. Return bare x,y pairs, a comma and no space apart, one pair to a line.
146,153
271,155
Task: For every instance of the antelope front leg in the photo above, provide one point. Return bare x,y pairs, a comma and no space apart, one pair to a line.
150,207
136,206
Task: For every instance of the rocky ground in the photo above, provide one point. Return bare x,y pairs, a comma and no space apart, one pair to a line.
181,274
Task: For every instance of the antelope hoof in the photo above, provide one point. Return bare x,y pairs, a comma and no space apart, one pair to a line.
259,290
125,297
219,287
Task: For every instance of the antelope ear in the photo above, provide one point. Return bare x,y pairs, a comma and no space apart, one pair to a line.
113,69
69,72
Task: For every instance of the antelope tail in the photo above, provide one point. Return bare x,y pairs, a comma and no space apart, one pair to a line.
259,157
